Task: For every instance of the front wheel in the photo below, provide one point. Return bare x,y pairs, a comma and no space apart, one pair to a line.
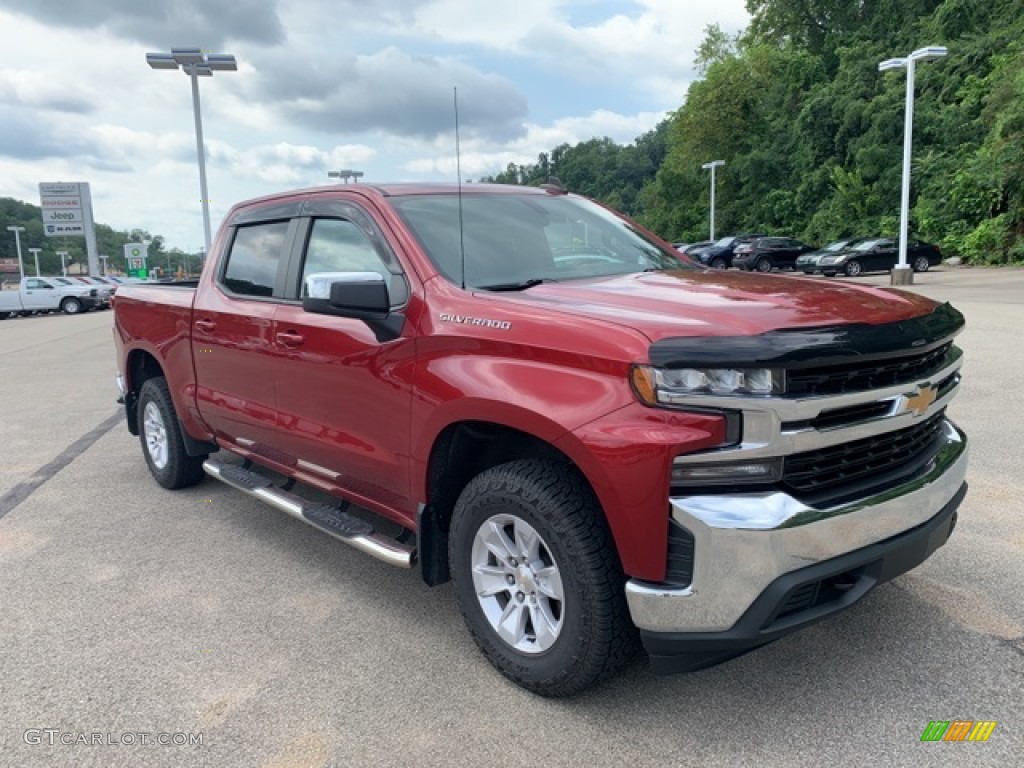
537,577
921,264
160,435
764,265
852,268
719,264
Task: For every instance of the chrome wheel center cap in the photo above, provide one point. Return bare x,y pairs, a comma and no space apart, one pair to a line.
525,579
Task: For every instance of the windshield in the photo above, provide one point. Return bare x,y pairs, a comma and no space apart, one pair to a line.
725,241
838,245
514,240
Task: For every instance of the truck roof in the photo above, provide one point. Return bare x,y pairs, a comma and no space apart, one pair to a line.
398,189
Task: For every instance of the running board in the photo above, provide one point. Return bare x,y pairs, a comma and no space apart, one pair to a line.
333,521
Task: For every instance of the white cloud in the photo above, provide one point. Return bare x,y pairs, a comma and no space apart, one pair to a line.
477,161
321,85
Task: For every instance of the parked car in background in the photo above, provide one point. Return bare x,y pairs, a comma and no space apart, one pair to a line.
808,262
767,253
46,294
720,255
879,254
692,249
106,290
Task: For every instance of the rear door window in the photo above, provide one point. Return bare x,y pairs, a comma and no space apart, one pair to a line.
255,260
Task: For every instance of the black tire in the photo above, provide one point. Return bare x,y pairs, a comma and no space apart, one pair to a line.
71,306
852,268
764,264
719,263
595,636
921,264
176,469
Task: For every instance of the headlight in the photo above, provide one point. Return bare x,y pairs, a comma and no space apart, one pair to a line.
669,386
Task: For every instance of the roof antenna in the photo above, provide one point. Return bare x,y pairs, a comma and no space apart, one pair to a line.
458,171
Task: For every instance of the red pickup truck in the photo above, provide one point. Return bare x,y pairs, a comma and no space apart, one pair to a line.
597,440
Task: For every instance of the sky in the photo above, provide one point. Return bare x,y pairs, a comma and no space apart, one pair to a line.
324,85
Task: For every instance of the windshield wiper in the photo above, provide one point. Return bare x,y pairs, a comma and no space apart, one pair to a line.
521,286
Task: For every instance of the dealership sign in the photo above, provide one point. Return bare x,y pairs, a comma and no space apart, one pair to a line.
65,207
67,212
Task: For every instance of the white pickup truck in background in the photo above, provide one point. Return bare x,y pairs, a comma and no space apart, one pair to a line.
47,294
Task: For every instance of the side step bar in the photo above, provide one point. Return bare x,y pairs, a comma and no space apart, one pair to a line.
330,520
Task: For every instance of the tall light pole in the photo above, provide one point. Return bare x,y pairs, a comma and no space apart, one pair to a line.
17,243
345,175
902,274
196,64
711,167
63,268
35,253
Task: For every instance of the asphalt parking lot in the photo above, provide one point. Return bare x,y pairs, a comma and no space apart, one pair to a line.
129,610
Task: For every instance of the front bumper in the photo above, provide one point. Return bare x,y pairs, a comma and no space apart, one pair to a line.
766,564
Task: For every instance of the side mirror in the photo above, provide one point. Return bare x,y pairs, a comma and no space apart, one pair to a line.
359,295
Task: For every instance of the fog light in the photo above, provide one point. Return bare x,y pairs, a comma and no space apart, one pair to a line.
744,473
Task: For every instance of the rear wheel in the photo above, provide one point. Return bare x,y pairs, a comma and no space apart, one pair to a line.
852,268
921,264
71,306
764,264
719,263
537,578
160,435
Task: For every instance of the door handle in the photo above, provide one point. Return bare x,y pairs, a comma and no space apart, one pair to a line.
206,326
290,339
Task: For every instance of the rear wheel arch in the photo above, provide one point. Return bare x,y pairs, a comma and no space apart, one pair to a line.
139,368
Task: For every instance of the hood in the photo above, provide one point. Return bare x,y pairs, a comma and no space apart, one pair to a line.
697,303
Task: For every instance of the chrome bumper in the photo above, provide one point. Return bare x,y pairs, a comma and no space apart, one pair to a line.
744,542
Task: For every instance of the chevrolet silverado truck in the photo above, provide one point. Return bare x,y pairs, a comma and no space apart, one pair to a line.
597,440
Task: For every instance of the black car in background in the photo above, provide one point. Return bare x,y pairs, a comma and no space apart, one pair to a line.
720,255
879,254
693,250
808,263
767,253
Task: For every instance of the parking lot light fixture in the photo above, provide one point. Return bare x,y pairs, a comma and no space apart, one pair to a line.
195,63
711,167
902,274
17,243
345,175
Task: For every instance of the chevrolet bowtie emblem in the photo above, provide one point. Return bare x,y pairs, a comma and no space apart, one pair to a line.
920,401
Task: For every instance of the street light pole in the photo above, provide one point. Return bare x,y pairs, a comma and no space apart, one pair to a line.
903,274
204,193
17,243
711,166
35,254
196,64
